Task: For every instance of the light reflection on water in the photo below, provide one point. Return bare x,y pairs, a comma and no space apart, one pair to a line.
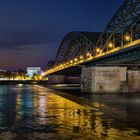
32,112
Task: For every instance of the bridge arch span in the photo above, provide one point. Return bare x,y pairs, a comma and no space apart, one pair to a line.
75,44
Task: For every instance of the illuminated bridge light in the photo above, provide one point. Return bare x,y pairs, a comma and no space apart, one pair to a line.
110,45
127,38
81,57
62,66
71,61
75,59
88,54
43,74
98,50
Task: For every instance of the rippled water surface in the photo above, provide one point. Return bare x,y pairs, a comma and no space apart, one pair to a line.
36,113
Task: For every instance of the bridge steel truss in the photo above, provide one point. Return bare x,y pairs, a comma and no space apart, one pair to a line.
122,29
75,44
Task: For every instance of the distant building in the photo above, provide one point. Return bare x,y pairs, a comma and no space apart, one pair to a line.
31,71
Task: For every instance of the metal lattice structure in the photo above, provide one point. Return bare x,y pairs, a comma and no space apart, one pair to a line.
75,44
123,29
125,22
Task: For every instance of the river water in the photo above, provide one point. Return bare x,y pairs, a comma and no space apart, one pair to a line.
32,112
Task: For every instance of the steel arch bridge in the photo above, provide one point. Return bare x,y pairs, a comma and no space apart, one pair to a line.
122,31
75,44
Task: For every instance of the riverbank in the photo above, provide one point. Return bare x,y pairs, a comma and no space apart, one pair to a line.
15,82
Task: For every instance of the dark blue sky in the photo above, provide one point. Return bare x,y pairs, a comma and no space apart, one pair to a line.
31,30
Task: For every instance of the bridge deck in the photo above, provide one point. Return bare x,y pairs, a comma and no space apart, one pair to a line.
129,46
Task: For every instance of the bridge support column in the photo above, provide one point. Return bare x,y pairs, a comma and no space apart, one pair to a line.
104,79
56,79
134,81
62,79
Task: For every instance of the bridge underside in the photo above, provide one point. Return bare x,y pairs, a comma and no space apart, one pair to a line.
72,71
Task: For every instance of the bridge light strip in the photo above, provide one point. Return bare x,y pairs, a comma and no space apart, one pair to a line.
99,54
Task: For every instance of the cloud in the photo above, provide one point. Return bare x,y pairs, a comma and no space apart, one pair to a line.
15,40
28,55
20,49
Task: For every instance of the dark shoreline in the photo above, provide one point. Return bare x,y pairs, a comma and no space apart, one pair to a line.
15,82
74,89
69,88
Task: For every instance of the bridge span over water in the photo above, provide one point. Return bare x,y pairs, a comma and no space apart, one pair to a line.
118,44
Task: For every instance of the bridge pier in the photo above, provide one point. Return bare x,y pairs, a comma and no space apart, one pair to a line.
133,81
62,79
109,80
56,79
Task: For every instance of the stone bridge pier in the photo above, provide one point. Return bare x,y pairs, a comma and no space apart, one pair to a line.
110,80
62,79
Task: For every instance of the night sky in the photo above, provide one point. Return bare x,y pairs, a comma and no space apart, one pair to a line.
31,30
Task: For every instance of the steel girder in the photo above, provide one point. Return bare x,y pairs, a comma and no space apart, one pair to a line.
126,21
125,57
75,44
